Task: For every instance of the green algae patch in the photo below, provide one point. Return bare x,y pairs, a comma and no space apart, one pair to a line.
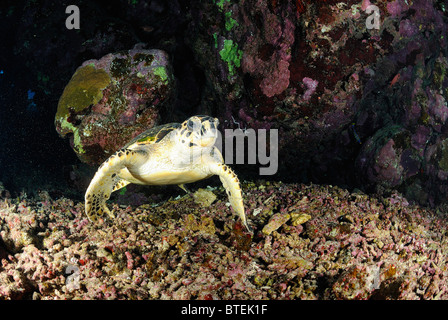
161,72
232,55
84,89
230,22
220,3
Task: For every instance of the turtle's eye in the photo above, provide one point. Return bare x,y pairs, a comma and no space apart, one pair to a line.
194,125
190,125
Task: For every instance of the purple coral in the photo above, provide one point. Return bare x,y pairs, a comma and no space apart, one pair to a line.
276,81
311,86
274,42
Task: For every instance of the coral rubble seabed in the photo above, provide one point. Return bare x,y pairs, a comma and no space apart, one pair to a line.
309,242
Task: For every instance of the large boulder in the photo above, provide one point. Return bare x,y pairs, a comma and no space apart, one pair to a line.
111,100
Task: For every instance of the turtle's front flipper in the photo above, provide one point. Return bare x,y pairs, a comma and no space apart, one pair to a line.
232,186
120,184
107,180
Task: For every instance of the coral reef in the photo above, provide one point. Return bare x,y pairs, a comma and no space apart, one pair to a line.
359,107
313,70
323,243
111,100
335,88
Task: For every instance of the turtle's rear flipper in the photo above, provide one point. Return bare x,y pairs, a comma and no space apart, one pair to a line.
107,180
183,187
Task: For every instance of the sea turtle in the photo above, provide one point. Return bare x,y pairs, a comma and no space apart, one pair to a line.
173,153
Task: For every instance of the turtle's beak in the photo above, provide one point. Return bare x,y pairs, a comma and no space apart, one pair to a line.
209,138
209,132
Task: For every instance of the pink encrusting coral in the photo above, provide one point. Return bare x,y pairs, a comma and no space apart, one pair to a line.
273,64
311,86
309,242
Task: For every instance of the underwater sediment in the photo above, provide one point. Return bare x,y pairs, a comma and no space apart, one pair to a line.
309,242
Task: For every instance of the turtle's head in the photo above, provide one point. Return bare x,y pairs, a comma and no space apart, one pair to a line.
199,132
